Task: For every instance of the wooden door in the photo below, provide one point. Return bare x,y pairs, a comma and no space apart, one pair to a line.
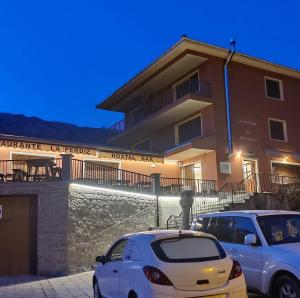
18,235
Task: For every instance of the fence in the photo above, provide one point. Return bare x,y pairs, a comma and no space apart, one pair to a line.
236,194
96,173
29,170
171,186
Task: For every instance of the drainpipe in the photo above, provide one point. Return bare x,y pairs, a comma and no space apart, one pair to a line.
227,97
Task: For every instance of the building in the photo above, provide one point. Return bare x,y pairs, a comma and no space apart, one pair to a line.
62,203
177,107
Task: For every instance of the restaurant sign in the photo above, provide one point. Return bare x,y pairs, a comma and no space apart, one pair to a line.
130,157
47,147
79,150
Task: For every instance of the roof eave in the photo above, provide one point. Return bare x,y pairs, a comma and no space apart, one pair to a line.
186,44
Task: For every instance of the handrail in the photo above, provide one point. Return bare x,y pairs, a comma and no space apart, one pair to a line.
119,223
172,216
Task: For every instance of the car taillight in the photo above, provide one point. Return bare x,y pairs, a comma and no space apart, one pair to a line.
236,270
156,276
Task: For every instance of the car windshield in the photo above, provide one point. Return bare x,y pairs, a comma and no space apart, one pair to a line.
280,229
188,249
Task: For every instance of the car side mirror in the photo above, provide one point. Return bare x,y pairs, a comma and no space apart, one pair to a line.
250,239
101,259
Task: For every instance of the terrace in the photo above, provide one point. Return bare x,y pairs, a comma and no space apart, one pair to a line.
88,172
91,173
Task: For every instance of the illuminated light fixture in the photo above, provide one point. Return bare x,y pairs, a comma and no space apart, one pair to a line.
285,159
153,165
239,154
110,190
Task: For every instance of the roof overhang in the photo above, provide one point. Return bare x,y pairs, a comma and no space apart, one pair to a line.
191,49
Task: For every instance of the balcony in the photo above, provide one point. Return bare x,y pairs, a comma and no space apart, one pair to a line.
191,149
162,111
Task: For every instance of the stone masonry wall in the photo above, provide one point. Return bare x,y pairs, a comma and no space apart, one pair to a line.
52,222
94,221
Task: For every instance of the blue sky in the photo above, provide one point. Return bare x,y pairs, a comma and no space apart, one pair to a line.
59,58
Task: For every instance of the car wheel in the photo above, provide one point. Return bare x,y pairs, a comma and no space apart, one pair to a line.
97,293
287,287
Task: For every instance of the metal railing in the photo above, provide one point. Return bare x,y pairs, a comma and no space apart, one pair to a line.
174,222
97,173
235,195
171,186
158,103
117,128
30,170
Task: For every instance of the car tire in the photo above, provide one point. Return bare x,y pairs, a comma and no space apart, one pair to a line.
287,287
97,293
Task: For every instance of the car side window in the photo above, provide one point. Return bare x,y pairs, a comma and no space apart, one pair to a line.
221,228
200,225
132,252
117,251
242,227
224,229
212,226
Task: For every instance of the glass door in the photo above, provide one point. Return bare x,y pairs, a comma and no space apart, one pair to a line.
249,175
192,175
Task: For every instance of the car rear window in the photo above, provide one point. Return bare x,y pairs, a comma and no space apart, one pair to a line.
188,249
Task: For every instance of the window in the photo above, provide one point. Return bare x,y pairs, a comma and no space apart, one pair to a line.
280,229
224,229
200,224
273,88
184,249
277,130
116,252
144,145
190,85
221,228
189,130
242,227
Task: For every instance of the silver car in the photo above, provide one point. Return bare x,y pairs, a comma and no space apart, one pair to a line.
265,242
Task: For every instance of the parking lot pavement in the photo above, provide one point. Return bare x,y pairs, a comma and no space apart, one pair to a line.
77,286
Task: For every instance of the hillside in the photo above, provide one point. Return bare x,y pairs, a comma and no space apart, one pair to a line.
21,125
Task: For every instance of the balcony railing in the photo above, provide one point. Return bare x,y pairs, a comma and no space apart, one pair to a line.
174,186
95,173
158,103
30,170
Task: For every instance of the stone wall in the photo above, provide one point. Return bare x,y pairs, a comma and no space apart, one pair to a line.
98,216
52,204
78,222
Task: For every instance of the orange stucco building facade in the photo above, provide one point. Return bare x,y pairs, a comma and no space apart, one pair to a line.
176,107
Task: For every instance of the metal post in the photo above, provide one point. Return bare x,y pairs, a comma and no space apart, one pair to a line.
156,183
156,190
66,167
186,203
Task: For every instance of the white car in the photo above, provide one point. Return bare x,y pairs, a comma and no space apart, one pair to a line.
266,243
158,264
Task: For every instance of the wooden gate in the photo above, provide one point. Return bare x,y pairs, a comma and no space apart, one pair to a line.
18,229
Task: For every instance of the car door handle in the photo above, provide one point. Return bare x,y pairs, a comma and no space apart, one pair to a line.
115,271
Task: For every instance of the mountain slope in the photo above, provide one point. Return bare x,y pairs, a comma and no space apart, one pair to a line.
21,125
